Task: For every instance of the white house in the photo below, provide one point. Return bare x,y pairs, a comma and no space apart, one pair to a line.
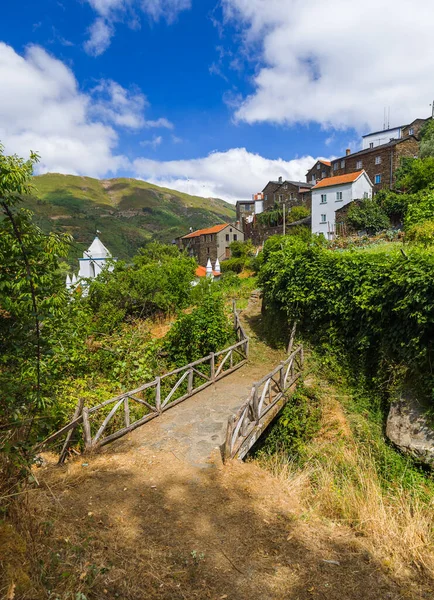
332,193
378,138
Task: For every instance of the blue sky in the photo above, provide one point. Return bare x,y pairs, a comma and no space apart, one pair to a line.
213,96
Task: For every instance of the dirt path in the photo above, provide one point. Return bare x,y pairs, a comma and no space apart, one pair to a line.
141,521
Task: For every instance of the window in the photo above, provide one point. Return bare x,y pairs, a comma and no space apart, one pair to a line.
411,131
377,178
280,197
227,237
207,250
378,160
359,164
323,198
323,218
265,197
313,180
365,195
323,174
371,144
318,166
285,187
235,237
291,196
342,164
338,196
335,166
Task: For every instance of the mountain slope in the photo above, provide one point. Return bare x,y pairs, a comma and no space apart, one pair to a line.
128,212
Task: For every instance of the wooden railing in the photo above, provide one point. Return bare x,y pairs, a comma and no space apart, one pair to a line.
267,398
118,416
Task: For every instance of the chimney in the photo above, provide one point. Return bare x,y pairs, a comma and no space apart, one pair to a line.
280,180
217,266
347,151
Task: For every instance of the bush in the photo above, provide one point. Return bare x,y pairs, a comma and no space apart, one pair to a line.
423,234
297,213
206,329
420,208
368,215
236,265
295,426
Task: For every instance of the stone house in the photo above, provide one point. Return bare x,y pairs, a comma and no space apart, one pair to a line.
333,193
245,208
320,170
293,193
210,244
380,162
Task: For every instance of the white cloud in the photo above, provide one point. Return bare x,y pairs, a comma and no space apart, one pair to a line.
101,33
42,108
162,122
338,63
113,11
154,143
232,175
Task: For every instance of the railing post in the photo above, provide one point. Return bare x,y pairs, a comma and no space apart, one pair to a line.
86,429
231,358
158,395
255,404
301,356
282,376
227,448
127,411
190,381
212,355
247,347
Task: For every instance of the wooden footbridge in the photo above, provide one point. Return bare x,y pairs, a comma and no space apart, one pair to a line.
223,409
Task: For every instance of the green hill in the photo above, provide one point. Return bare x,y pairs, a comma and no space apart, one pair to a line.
128,212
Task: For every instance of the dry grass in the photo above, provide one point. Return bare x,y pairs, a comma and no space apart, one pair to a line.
338,482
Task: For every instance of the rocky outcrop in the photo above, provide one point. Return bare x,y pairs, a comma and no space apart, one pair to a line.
408,427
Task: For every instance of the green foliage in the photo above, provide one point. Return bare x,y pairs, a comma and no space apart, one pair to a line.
195,335
236,265
297,213
375,308
295,426
368,215
420,208
158,281
422,233
415,174
427,140
242,249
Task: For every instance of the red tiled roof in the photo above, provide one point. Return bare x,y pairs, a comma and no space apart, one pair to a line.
338,180
201,272
214,229
326,162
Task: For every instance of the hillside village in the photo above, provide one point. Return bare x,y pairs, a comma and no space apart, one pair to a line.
326,195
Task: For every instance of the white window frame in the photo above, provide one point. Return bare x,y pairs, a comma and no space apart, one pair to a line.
359,164
338,196
411,131
318,167
371,144
342,164
323,219
378,160
323,199
335,166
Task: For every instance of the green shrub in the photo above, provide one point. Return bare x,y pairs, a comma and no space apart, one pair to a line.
296,213
206,329
422,233
236,265
368,215
295,426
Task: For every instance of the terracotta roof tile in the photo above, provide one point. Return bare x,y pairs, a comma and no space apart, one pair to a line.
214,229
201,272
338,180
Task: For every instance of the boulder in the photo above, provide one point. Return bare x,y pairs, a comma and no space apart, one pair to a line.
409,428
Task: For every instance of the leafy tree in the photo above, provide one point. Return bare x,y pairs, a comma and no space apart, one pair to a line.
297,213
415,174
368,215
420,207
31,293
